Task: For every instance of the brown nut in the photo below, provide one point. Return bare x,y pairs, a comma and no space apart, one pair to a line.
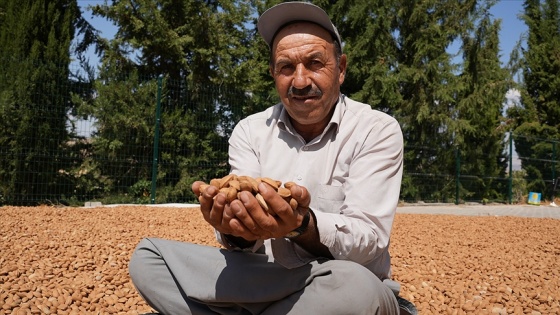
293,204
245,185
263,204
215,182
271,182
254,185
224,182
284,192
235,184
231,194
289,185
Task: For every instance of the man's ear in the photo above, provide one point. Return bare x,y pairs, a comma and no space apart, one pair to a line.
271,70
342,68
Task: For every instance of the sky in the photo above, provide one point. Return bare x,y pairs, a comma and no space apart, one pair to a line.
506,10
512,29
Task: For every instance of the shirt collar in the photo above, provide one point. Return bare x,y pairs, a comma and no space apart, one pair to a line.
339,109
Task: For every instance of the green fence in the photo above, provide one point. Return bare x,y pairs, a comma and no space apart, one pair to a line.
146,141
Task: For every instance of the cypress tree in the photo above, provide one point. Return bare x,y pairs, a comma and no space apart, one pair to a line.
35,38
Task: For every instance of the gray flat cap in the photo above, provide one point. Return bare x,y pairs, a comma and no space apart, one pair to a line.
281,14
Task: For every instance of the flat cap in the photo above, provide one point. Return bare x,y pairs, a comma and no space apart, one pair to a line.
284,13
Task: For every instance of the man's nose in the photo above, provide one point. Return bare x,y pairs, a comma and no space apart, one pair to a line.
301,77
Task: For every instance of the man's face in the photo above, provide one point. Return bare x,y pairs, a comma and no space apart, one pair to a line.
306,73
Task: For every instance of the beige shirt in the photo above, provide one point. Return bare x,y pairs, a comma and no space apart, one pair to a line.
353,172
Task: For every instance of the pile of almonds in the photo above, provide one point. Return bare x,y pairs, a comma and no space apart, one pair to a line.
75,260
231,185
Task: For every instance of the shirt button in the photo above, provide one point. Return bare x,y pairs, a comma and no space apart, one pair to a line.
299,178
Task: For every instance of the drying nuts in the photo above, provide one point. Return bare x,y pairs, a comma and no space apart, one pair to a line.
232,184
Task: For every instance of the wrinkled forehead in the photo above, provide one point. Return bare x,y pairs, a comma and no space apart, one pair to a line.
301,28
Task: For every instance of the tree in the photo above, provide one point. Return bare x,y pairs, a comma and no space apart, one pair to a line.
400,62
481,140
200,49
35,40
538,116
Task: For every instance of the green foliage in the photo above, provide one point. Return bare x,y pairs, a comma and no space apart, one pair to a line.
35,38
205,66
479,111
538,115
400,62
519,189
201,48
124,112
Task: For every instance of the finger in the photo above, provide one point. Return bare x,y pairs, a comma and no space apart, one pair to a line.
277,204
238,228
227,216
217,210
242,215
302,196
293,218
212,206
258,221
195,187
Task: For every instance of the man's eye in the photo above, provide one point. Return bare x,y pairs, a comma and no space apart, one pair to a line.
315,64
286,68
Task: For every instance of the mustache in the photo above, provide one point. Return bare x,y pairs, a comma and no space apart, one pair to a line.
308,91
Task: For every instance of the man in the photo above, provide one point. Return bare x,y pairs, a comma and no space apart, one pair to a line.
329,255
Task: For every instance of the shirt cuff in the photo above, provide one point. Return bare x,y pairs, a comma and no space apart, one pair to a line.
328,225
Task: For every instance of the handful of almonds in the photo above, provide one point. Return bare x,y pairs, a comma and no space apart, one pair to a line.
231,185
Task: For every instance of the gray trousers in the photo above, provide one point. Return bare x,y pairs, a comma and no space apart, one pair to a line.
183,278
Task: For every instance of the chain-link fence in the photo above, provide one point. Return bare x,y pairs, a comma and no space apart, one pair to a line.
146,140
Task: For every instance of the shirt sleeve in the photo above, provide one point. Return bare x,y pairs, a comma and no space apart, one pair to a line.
361,231
222,239
243,158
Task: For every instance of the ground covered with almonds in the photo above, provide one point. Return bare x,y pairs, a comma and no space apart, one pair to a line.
75,260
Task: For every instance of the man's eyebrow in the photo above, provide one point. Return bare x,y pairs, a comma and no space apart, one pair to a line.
315,54
282,61
312,55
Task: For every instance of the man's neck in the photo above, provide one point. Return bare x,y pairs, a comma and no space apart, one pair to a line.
310,132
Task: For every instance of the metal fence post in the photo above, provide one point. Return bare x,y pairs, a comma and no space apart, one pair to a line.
156,142
553,170
457,174
510,183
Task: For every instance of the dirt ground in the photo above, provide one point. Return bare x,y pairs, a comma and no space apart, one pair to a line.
75,260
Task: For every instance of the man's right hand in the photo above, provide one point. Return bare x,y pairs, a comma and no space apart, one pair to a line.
214,208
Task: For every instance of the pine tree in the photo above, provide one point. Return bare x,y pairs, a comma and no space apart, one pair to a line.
400,62
200,49
479,113
367,29
538,117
